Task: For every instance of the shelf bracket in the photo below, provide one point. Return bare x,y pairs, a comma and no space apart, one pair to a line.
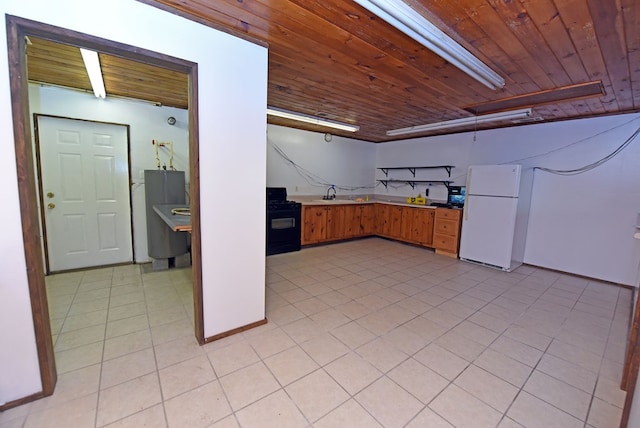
447,168
385,183
412,184
386,172
413,172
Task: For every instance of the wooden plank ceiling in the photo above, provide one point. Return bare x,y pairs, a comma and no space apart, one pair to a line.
336,60
57,64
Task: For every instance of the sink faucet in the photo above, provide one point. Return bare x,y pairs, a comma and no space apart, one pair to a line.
328,197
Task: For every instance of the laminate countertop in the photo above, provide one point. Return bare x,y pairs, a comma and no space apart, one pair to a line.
323,202
177,222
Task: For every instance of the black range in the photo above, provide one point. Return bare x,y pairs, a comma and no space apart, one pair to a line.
283,222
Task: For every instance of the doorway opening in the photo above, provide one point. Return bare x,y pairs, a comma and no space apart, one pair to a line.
18,30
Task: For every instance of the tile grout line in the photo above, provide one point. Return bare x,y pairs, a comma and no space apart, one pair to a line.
102,357
452,381
535,367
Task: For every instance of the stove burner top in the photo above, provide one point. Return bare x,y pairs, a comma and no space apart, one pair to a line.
282,205
277,199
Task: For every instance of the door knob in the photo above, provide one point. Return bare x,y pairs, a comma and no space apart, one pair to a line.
51,206
50,195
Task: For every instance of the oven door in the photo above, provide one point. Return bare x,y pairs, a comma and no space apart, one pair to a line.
283,231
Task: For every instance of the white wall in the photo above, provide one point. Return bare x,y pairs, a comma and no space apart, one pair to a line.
146,123
581,224
345,162
232,101
634,415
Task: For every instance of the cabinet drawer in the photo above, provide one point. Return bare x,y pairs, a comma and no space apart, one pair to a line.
446,227
445,242
446,213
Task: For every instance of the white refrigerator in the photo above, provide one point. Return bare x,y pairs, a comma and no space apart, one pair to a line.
495,216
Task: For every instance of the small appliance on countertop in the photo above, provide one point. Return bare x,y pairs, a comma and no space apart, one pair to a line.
419,200
456,196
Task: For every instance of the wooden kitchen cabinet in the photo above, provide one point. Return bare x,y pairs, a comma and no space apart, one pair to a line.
336,223
352,219
446,231
389,221
359,220
314,224
367,220
435,228
381,213
417,225
396,222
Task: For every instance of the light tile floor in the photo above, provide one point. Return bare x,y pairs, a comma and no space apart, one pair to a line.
366,333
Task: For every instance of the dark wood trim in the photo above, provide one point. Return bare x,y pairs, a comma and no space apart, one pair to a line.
28,203
130,193
94,268
631,366
490,126
194,203
235,331
17,29
45,243
576,92
21,401
631,345
98,44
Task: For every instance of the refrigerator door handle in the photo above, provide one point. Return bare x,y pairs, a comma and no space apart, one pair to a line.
466,209
469,178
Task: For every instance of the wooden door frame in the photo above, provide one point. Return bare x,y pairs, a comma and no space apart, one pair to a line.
38,172
17,30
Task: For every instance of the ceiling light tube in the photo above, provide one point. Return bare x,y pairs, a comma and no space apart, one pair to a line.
92,64
285,114
406,19
493,117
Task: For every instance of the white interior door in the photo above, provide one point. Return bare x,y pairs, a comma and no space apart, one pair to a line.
84,169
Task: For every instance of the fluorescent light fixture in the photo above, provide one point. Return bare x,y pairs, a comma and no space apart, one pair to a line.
92,64
493,117
404,18
271,111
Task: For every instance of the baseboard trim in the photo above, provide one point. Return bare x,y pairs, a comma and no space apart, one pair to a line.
235,331
21,401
